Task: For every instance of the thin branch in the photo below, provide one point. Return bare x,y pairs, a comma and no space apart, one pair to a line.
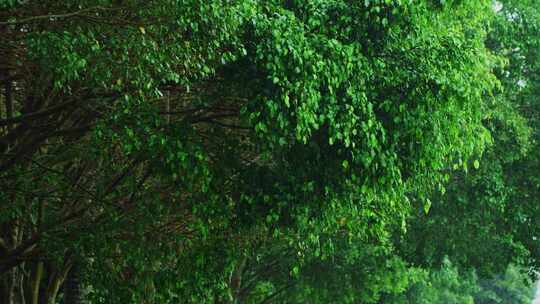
212,117
278,292
9,100
58,16
37,114
229,125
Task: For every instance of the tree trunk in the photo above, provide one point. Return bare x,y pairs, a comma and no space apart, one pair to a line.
72,286
56,278
36,283
8,287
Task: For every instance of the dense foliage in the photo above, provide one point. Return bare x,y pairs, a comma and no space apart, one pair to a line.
448,285
488,216
219,151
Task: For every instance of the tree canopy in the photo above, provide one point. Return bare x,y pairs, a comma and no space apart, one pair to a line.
219,151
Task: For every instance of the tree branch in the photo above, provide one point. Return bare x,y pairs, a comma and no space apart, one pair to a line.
58,16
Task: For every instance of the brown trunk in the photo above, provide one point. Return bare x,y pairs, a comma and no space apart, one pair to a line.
235,280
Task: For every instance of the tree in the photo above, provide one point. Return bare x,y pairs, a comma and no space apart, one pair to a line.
144,140
514,286
488,217
444,285
450,285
